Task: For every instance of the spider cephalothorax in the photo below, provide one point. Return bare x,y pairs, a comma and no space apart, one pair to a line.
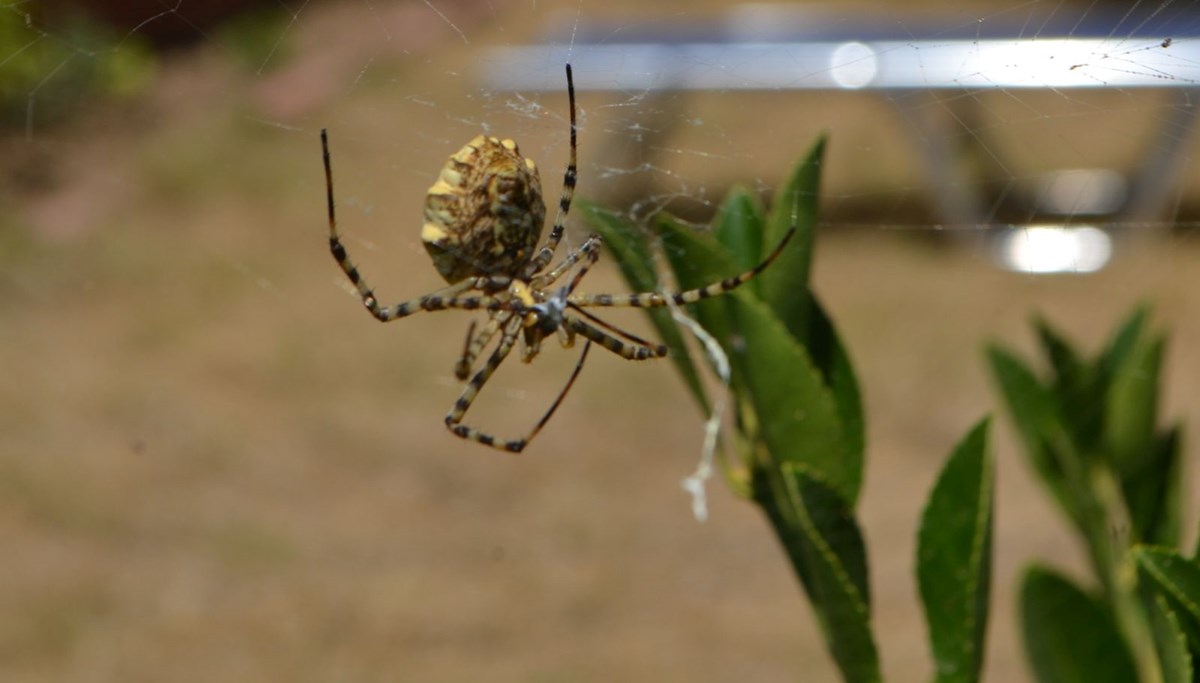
483,219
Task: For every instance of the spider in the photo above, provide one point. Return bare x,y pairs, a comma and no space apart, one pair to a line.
483,219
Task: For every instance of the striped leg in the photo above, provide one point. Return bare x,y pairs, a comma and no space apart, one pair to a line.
463,367
639,349
655,299
454,418
612,328
542,259
476,342
467,397
629,351
561,394
590,245
443,298
551,311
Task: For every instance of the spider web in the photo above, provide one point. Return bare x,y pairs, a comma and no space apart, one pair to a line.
205,445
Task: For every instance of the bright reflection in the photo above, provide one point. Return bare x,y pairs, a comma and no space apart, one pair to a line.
1075,191
1054,249
853,65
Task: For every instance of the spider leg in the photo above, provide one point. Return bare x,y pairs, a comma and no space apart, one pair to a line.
655,299
455,416
629,351
561,394
611,327
467,397
542,259
591,244
549,314
444,299
463,367
447,297
475,343
570,325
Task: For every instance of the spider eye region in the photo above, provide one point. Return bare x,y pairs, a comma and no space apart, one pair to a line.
484,214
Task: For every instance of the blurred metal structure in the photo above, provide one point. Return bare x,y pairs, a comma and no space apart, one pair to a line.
786,48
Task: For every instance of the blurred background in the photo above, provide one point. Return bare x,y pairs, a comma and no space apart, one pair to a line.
214,466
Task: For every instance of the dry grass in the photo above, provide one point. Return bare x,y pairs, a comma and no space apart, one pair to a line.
214,467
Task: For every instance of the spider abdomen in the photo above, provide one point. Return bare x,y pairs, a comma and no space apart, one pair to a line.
484,214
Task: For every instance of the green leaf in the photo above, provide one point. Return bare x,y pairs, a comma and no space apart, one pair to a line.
739,228
816,526
1125,340
1170,641
1065,362
1034,412
1153,491
1027,399
633,258
797,414
1070,636
830,357
1074,389
1177,579
954,558
1173,574
1131,406
785,284
698,261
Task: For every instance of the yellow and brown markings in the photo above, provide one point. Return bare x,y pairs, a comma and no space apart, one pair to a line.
484,215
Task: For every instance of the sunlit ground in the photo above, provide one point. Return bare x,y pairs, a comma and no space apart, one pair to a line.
215,467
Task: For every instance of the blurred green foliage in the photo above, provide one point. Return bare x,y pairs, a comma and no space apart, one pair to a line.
47,76
1090,429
